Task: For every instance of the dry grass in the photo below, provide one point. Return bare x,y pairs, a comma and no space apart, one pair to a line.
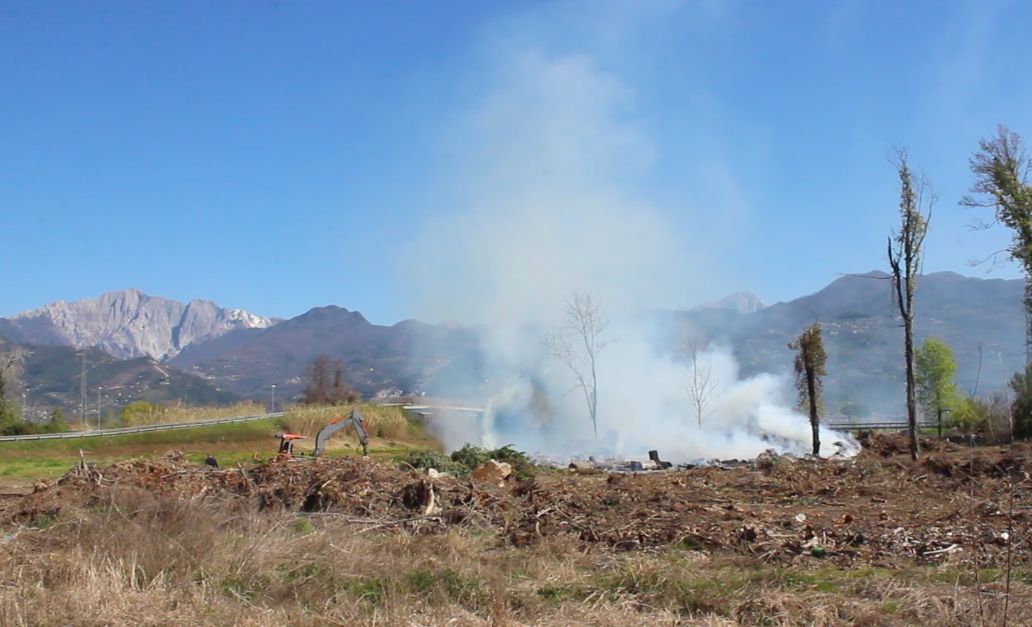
184,563
387,425
166,414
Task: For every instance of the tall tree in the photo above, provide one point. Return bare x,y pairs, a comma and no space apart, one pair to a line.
934,367
810,362
1021,408
10,361
577,344
905,258
1001,170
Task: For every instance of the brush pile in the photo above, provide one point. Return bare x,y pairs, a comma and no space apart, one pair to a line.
956,505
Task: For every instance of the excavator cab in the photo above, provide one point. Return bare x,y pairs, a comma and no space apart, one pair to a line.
286,445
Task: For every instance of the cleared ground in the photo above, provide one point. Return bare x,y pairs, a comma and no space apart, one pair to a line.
877,540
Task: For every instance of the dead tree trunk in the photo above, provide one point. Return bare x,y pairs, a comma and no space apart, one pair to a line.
815,421
809,367
908,335
904,258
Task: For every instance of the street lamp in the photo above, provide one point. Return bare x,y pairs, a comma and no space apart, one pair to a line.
99,388
273,404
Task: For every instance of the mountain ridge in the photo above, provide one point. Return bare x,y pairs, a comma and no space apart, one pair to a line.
127,324
52,377
981,319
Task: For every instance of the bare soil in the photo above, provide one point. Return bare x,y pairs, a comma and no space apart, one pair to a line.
956,506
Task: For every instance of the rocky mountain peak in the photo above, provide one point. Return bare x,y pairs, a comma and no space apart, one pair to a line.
128,324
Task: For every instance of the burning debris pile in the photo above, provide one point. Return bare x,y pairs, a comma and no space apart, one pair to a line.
608,464
654,463
871,510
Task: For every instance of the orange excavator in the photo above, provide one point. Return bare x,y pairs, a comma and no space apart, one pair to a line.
286,446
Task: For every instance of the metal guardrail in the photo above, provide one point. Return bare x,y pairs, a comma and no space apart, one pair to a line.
143,429
878,426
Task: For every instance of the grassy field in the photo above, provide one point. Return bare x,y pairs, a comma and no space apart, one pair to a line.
549,551
173,562
391,435
27,460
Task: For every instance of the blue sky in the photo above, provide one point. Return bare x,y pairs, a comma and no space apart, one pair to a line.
276,156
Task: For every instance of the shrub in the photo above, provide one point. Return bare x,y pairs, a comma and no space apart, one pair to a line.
1021,408
432,459
472,456
141,412
57,421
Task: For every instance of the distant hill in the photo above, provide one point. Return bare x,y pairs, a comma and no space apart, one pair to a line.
53,374
128,324
401,358
740,302
236,354
864,340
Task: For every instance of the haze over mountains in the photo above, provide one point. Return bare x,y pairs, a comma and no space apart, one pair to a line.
981,319
741,302
198,352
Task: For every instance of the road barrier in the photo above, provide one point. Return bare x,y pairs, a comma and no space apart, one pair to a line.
878,426
142,429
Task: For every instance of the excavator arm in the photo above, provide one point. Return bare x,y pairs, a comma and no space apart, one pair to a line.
354,418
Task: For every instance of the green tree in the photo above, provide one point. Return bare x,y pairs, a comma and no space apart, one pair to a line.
809,368
934,367
905,260
1021,408
967,414
1001,170
57,421
9,362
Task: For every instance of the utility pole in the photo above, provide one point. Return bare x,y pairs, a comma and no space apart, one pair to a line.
273,410
99,388
82,391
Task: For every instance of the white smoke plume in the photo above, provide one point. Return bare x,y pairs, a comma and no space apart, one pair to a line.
554,164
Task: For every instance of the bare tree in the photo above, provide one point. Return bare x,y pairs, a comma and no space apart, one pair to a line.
702,389
904,249
809,368
577,343
325,383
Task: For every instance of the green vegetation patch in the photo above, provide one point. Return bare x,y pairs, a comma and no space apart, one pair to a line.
36,459
463,461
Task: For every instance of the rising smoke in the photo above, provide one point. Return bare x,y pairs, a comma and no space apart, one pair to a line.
554,165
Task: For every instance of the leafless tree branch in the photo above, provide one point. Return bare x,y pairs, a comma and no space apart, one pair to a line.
577,343
702,389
